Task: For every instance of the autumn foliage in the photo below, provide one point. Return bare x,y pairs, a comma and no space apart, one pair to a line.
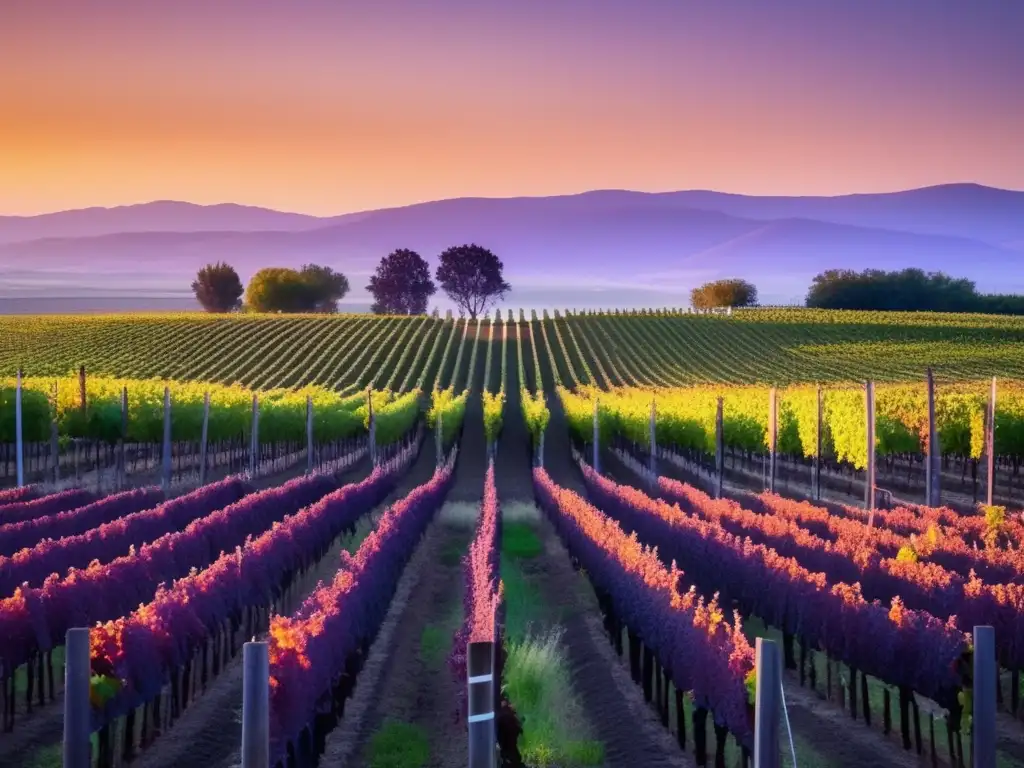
690,636
483,589
310,650
145,647
894,643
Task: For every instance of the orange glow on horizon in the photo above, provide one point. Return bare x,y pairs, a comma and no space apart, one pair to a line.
339,108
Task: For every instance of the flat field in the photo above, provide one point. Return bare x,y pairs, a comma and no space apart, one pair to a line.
778,346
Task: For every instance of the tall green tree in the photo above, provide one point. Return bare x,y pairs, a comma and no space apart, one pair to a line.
276,289
218,288
401,285
908,289
311,289
326,287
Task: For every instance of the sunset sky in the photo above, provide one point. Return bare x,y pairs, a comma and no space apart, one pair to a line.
330,106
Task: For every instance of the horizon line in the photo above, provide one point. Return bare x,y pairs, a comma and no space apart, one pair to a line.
169,201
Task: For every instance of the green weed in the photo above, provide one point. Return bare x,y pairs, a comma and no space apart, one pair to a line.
538,685
519,541
399,745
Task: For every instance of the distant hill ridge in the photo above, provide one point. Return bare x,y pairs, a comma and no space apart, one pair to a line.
896,210
661,243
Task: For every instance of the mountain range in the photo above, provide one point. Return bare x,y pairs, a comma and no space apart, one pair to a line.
599,248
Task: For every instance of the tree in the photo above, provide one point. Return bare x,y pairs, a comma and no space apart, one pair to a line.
724,293
276,289
472,277
218,288
326,288
311,289
401,285
909,289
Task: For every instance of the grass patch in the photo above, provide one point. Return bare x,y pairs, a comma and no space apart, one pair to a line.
399,745
434,644
52,755
536,675
523,604
584,753
519,541
538,685
21,675
436,640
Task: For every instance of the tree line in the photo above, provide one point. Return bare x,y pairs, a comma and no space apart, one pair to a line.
473,278
911,290
470,275
907,289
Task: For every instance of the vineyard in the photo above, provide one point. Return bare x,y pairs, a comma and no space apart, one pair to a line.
554,539
349,353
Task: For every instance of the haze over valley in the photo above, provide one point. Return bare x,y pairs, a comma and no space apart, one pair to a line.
596,249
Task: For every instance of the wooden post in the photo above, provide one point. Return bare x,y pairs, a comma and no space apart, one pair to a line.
984,716
309,434
653,458
597,440
82,405
719,449
933,465
816,484
869,481
773,436
167,440
482,735
373,427
439,439
254,438
54,439
256,706
766,704
122,458
204,438
19,443
77,673
81,387
990,444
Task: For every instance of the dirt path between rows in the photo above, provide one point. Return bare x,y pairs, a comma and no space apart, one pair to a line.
613,704
406,678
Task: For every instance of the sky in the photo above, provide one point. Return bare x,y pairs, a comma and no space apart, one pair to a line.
329,106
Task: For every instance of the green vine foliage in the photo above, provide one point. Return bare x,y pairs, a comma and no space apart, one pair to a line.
282,413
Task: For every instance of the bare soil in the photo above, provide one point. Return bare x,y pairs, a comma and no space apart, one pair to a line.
403,680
